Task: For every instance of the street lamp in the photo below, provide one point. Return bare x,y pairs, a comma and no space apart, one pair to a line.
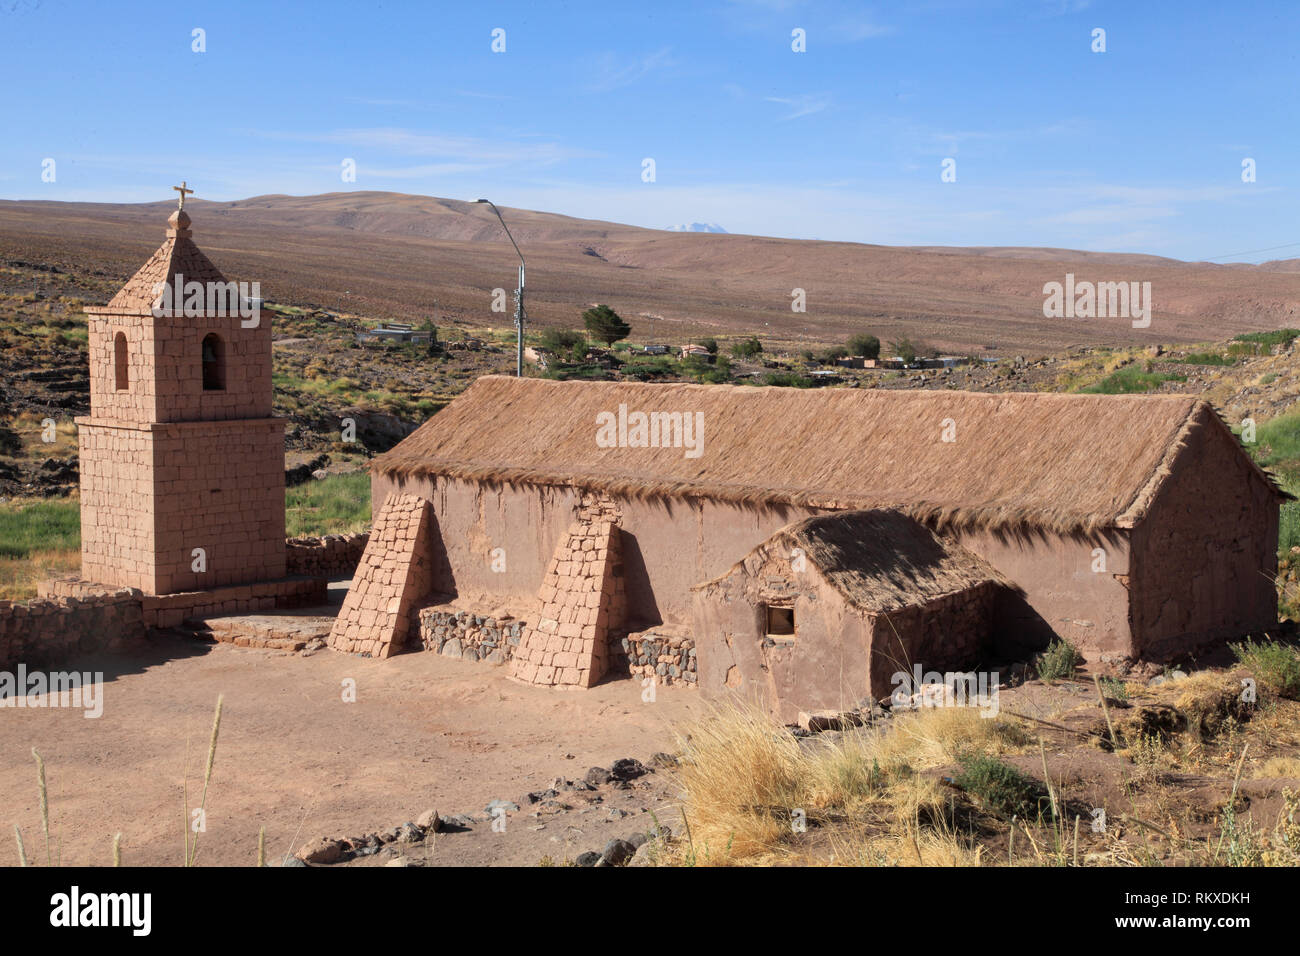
519,292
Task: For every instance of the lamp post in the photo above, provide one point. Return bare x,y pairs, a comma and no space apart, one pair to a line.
519,292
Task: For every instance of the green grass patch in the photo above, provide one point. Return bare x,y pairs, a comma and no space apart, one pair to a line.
1206,358
1131,379
337,504
1267,340
39,526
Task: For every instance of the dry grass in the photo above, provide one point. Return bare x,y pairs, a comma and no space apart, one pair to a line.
748,782
20,576
988,478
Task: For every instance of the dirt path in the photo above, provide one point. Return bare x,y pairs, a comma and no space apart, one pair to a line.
425,732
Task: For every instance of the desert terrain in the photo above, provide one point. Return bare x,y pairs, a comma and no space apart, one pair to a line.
1186,771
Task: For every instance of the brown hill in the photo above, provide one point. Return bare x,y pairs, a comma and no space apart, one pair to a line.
394,256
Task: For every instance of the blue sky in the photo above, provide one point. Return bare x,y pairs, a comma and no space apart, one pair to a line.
1136,149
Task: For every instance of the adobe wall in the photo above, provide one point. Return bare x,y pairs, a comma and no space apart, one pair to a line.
1205,555
1069,593
138,402
668,547
827,667
49,632
953,633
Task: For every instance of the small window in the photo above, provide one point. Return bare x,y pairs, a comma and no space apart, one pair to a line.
214,363
779,622
121,371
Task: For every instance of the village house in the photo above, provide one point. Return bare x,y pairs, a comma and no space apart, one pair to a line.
1133,526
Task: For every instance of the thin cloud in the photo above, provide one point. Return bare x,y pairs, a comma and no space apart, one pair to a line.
804,105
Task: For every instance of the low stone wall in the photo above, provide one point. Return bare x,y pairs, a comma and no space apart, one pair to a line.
169,610
662,653
470,636
47,632
333,555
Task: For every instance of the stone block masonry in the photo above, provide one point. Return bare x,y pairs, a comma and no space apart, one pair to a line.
334,555
470,636
583,600
395,573
49,632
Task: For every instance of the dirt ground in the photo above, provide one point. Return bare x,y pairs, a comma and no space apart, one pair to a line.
426,732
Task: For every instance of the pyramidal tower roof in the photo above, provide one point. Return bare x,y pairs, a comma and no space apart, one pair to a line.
177,256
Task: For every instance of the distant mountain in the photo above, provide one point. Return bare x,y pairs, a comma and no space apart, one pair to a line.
697,227
392,256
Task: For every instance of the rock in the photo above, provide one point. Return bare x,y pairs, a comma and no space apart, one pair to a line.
587,859
821,720
452,648
662,760
505,805
638,838
617,852
410,833
598,775
292,861
616,814
429,820
402,861
627,769
322,850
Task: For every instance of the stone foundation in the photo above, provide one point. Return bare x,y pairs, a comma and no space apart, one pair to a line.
665,653
470,636
333,555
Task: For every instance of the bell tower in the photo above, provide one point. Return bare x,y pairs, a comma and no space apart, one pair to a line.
182,462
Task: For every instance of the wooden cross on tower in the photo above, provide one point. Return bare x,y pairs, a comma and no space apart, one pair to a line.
182,190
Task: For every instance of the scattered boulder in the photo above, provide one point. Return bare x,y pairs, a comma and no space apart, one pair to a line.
616,853
322,850
587,859
429,820
597,776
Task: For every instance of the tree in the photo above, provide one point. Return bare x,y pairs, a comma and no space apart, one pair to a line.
868,346
904,349
747,348
711,345
605,324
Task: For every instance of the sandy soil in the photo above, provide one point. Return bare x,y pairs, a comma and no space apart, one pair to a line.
425,732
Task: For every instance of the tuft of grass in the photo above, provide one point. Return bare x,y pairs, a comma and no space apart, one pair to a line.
1058,662
1275,665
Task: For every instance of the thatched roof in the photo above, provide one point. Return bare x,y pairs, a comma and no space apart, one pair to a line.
1062,463
880,561
177,256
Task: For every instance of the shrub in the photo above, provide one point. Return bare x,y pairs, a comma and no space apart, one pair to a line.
1058,661
1277,666
1000,787
747,348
